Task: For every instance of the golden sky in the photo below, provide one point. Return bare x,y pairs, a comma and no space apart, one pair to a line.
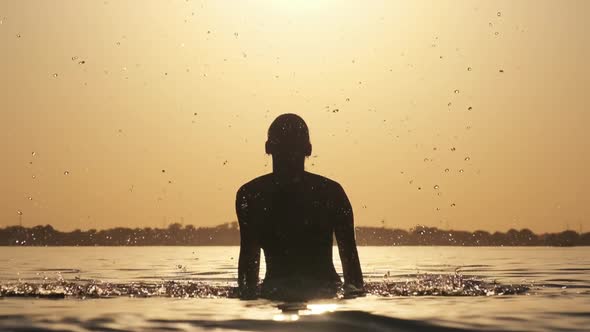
485,100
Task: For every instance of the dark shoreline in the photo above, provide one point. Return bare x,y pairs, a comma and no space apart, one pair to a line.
228,235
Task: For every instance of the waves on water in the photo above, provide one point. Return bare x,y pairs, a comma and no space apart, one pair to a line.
339,321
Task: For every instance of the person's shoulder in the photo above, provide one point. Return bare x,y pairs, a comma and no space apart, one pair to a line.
323,181
256,183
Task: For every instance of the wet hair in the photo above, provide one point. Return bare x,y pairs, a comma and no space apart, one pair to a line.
288,133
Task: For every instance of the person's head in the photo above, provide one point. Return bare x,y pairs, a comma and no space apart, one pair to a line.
288,135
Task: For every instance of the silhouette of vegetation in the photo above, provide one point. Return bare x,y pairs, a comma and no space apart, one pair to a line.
228,235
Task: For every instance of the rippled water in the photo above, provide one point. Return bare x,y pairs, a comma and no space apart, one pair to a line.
192,288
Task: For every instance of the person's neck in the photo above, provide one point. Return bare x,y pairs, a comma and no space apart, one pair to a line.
289,169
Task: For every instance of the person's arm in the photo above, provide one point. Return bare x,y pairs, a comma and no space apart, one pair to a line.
344,230
249,261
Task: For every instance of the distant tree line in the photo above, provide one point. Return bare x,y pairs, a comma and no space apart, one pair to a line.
432,236
228,235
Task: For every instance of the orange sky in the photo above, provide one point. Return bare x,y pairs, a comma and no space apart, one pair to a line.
104,93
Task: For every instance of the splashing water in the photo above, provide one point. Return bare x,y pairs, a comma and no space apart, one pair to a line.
414,285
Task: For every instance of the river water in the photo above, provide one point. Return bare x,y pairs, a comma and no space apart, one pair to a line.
191,288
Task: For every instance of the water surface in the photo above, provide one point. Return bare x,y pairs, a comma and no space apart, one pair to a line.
191,288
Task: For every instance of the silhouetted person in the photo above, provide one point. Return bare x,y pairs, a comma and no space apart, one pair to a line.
292,215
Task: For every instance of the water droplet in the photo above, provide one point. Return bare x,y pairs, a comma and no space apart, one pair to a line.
19,212
469,69
447,170
453,148
469,108
74,58
33,153
118,43
30,198
66,172
335,110
499,14
163,171
54,75
436,186
81,62
347,99
449,104
461,170
501,70
453,205
426,159
419,188
236,34
496,33
457,91
33,176
467,159
18,35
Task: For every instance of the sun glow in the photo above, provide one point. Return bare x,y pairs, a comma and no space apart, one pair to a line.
318,309
285,318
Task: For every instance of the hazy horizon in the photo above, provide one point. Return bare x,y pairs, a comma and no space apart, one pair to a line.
234,225
441,113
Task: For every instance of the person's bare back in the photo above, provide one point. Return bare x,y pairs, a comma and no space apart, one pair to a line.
292,215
